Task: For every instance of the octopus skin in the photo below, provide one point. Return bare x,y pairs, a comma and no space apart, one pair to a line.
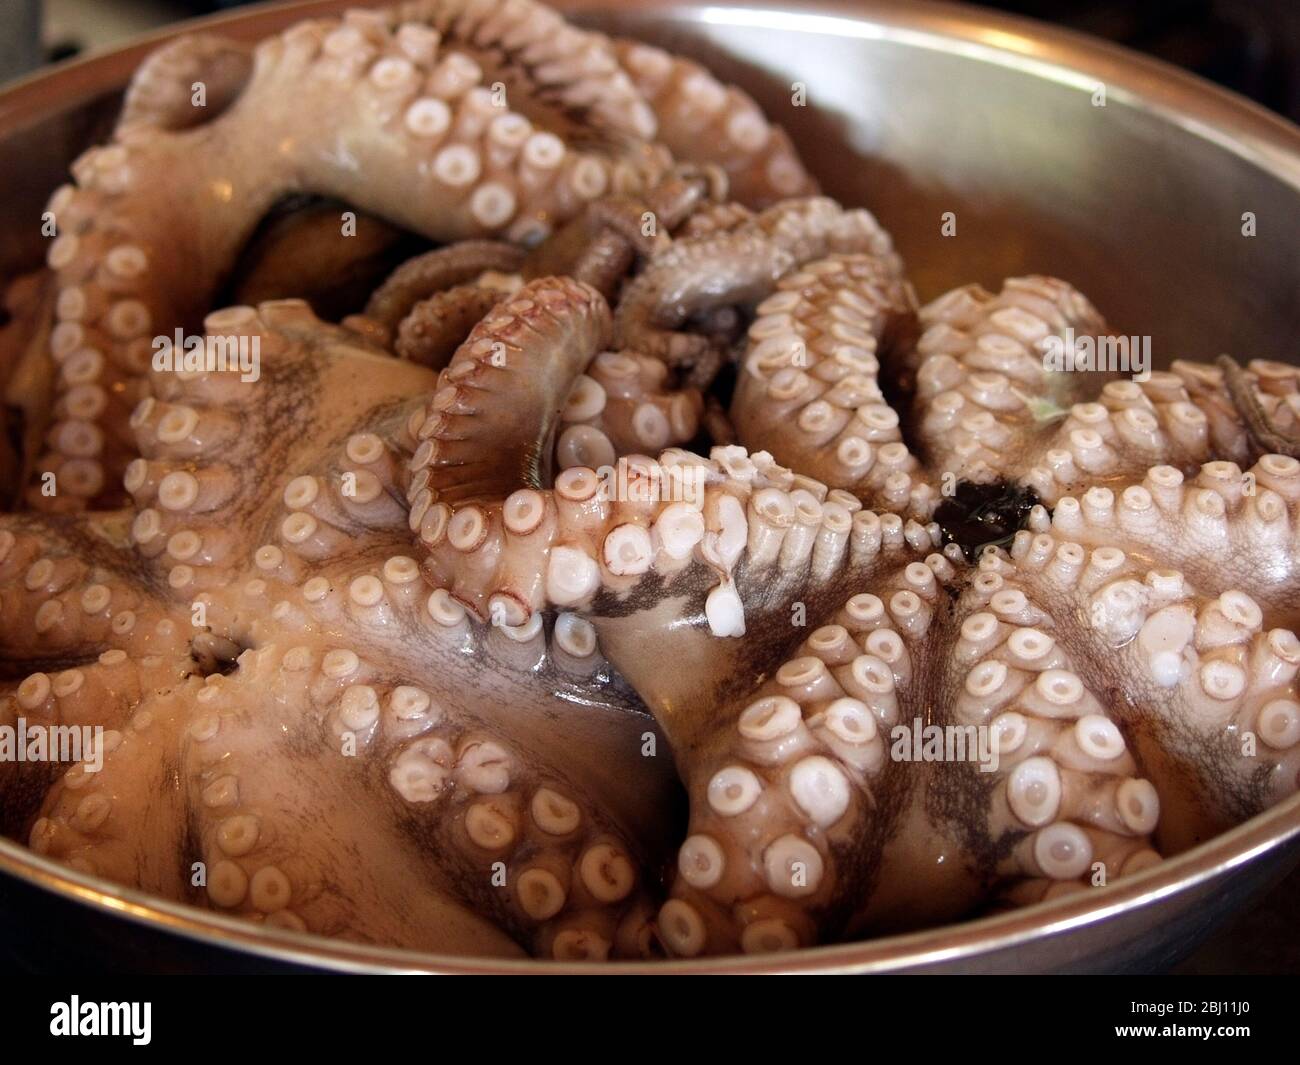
475,119
321,647
813,357
491,619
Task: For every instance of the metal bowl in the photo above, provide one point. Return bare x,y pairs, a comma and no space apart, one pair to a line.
913,110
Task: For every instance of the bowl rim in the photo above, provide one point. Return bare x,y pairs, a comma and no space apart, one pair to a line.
1267,831
1189,101
1263,139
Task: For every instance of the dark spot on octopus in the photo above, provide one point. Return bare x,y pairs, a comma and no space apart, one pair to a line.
983,515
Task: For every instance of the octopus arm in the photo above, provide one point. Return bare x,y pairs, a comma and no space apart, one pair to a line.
1203,684
703,121
735,267
294,409
375,90
809,388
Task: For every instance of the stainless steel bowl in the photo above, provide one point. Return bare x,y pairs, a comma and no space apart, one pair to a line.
913,110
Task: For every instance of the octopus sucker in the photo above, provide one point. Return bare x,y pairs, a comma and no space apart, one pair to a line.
602,243
503,389
420,278
808,388
738,266
114,235
162,92
638,568
704,121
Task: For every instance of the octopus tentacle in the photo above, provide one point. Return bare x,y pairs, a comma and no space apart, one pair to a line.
359,603
68,593
781,554
1218,526
490,425
444,268
989,407
571,876
1066,789
165,91
1191,674
600,245
437,326
206,438
677,520
983,395
736,267
82,712
792,795
615,218
575,68
1183,417
1264,433
705,122
622,405
808,388
272,851
113,813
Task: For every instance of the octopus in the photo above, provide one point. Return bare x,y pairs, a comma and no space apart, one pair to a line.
635,567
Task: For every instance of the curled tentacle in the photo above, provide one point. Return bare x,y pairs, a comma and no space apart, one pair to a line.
705,122
438,325
809,390
624,405
984,393
445,268
734,267
600,246
492,420
1029,386
183,84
